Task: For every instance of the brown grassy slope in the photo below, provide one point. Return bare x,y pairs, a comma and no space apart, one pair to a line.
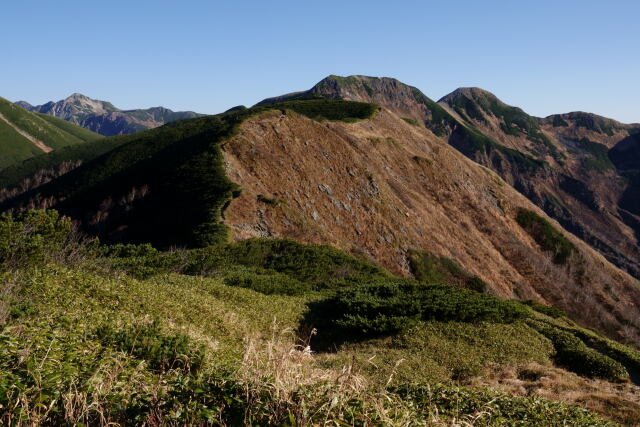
381,187
581,192
617,402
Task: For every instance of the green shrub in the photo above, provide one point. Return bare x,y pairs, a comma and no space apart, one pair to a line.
549,310
141,261
272,201
546,236
329,109
430,268
476,284
410,121
488,407
574,355
433,269
386,306
33,237
148,342
558,121
314,264
599,153
627,356
265,282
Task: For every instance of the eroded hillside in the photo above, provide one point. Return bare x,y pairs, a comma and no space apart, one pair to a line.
383,187
566,164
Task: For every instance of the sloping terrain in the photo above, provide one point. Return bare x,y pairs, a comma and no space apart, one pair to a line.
380,187
578,184
127,335
24,134
103,118
389,192
383,187
563,163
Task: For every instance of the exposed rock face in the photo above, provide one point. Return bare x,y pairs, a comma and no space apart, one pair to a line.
382,187
562,163
24,105
104,118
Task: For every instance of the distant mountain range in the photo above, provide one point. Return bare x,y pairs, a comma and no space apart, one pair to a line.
104,118
25,134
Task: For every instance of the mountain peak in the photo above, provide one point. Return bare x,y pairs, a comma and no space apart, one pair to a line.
384,91
76,96
472,93
24,104
103,117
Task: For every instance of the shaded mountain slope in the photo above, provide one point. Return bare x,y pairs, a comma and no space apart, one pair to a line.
138,190
104,118
579,185
24,134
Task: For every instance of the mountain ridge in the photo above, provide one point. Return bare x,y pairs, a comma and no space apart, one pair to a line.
104,118
25,134
375,184
558,162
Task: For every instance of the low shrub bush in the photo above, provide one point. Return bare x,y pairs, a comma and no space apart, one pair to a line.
574,355
549,310
411,121
386,306
433,269
330,109
34,237
148,342
457,403
313,264
430,268
141,261
265,282
546,236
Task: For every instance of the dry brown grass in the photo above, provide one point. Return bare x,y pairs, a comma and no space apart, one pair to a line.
617,402
284,368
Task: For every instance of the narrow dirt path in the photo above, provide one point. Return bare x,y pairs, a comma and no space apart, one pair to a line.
41,145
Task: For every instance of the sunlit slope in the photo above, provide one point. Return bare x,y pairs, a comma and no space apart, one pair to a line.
24,134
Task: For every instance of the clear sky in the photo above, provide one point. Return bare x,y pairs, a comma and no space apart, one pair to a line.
544,56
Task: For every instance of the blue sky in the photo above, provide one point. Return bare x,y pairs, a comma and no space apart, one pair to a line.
544,56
